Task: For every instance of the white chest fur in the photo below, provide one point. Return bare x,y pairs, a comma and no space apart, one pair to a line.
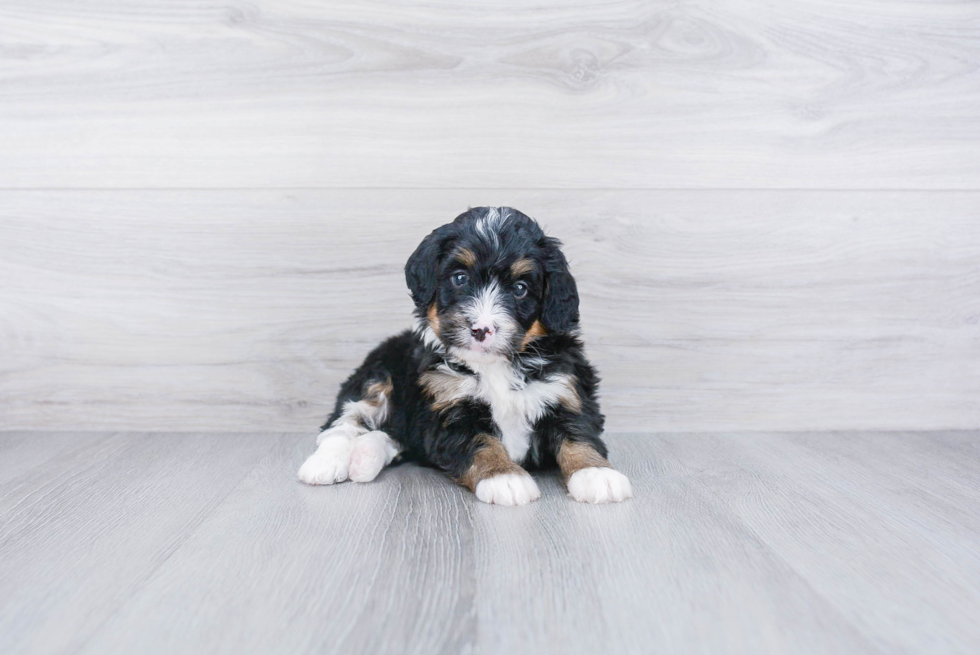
515,404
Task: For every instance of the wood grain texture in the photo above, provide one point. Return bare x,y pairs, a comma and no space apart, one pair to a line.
346,569
734,543
218,310
83,532
23,451
807,498
627,94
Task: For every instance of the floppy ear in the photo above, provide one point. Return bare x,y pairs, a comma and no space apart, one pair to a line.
423,266
560,311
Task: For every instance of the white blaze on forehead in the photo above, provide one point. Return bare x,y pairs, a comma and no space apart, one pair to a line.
489,226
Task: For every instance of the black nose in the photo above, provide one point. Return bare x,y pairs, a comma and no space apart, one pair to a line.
480,333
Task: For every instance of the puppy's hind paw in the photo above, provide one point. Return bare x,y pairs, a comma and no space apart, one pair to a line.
508,489
325,468
371,452
599,485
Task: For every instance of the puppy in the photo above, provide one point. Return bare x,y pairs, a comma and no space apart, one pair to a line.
491,382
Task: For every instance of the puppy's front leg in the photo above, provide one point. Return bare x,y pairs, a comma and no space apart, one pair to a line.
330,463
589,476
495,479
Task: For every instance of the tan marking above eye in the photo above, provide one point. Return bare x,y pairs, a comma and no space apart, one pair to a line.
521,267
465,256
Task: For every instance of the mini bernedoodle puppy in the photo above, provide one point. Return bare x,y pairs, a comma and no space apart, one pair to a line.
491,381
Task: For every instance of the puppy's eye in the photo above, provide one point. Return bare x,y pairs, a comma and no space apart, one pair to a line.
459,279
520,290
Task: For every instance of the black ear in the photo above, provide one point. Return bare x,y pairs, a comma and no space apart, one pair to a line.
423,266
560,311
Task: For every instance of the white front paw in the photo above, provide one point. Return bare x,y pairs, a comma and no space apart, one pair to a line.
328,464
599,485
508,489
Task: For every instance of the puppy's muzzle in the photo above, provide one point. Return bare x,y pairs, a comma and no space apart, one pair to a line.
481,333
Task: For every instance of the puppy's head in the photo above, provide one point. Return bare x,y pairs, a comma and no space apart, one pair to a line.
489,283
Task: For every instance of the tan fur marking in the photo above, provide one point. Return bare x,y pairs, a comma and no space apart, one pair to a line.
445,389
465,256
491,459
433,317
377,392
521,266
574,456
536,330
570,399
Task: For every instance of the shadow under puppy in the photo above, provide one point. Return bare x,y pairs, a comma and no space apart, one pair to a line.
491,381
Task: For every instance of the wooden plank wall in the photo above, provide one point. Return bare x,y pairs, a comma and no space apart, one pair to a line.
773,210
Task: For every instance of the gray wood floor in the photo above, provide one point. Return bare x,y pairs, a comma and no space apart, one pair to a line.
826,542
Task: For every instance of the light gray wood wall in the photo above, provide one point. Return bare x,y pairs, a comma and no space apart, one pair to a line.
773,210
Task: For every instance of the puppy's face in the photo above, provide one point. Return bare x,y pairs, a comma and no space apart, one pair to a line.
490,282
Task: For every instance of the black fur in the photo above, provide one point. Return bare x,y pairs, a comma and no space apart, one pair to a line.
446,438
560,312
